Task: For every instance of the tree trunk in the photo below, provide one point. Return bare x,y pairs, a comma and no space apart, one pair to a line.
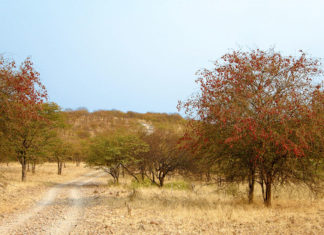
268,185
77,163
153,178
220,181
64,165
33,167
28,169
142,174
201,176
115,175
59,167
117,179
262,189
161,179
114,172
251,185
208,177
161,182
129,172
23,168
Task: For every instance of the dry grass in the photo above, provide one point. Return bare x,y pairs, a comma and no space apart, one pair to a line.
17,195
204,210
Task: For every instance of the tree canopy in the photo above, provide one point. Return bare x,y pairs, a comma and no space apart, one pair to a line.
264,108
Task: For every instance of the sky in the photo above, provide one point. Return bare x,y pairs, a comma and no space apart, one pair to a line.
142,55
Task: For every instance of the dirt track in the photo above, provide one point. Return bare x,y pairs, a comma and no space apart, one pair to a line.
57,212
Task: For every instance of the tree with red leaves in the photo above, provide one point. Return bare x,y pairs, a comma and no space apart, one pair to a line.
21,98
262,110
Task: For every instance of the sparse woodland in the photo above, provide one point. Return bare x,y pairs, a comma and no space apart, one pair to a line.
256,126
258,118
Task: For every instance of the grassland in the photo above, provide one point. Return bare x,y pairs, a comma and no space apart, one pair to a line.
17,195
200,209
179,208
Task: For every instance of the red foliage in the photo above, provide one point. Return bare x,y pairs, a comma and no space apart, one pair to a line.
260,97
21,90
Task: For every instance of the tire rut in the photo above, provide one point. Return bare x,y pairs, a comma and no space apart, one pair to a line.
56,213
71,217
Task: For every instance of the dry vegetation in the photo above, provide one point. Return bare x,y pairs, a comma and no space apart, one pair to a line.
84,124
45,177
257,117
200,209
178,208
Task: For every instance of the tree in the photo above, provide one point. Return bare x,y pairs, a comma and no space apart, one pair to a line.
22,95
79,150
260,102
111,153
60,151
45,133
164,155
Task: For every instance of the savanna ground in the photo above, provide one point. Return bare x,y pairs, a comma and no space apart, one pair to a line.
83,201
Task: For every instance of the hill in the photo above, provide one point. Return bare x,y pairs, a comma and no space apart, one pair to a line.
83,124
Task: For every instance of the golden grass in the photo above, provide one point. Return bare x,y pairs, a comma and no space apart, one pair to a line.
204,210
17,195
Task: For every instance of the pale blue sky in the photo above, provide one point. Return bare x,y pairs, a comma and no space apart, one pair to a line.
142,55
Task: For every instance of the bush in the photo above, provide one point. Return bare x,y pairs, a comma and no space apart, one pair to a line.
143,183
179,185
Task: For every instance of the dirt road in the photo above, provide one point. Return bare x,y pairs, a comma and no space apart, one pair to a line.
57,212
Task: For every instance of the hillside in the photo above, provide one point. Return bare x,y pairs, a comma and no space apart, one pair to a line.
83,124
